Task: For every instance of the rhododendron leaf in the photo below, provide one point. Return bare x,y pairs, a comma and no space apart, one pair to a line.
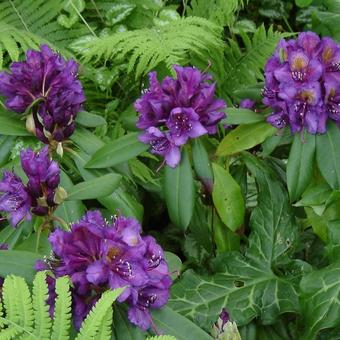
18,262
172,323
328,156
95,188
246,284
89,119
118,151
69,211
201,162
179,192
228,199
119,200
11,125
244,137
241,116
300,165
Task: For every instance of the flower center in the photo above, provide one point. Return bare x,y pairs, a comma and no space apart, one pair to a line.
145,300
160,144
123,268
154,260
181,124
327,54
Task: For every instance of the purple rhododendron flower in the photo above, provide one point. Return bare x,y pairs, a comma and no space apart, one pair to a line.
247,104
48,80
302,83
14,198
176,110
43,179
38,195
98,255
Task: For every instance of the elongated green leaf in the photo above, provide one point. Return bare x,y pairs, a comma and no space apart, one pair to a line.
10,235
320,300
89,119
11,125
118,151
202,164
237,116
95,188
246,284
179,192
123,329
244,137
175,324
227,198
300,165
328,155
303,3
19,263
69,211
87,141
120,200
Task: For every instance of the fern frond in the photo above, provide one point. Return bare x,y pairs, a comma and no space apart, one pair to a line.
147,48
244,67
91,325
18,307
8,292
222,12
17,320
105,330
62,310
27,24
42,318
24,302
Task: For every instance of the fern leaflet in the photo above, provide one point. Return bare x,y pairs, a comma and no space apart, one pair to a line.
147,48
62,310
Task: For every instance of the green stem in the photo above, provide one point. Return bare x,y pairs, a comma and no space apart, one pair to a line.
40,229
83,19
61,221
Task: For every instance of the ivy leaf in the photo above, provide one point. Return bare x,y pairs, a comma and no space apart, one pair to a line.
246,284
320,300
300,165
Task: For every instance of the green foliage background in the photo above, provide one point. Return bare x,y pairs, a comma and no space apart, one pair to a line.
264,244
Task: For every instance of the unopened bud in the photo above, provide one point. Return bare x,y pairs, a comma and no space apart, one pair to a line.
60,195
30,124
60,150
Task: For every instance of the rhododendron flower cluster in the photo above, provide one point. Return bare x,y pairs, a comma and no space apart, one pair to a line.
48,83
38,195
176,110
98,255
303,83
